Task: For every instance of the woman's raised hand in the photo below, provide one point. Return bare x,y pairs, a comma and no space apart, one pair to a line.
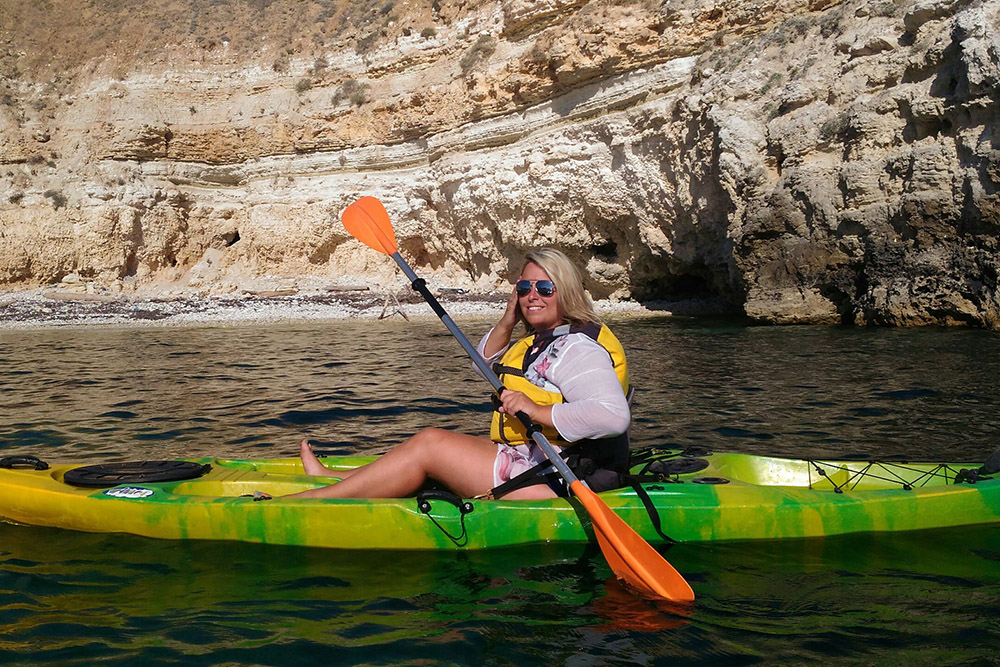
512,315
502,332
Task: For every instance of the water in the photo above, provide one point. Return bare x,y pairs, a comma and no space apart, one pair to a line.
118,394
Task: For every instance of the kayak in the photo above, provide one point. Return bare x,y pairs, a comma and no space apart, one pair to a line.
672,495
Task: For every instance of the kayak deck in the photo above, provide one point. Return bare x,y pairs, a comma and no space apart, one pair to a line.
708,497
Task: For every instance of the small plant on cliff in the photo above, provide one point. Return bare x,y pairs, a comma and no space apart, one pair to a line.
428,32
15,197
886,8
366,43
352,90
829,25
481,50
835,128
58,198
281,63
302,85
799,25
774,80
319,67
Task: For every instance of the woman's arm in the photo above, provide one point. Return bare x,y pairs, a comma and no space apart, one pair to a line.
481,349
595,404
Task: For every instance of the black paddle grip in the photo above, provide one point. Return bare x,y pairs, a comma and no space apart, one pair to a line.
531,427
420,285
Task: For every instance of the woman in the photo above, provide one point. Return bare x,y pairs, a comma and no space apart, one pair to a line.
571,380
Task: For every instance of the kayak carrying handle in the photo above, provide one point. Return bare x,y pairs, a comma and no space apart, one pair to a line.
11,462
424,499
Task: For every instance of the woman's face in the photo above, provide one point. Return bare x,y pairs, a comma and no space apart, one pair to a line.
541,312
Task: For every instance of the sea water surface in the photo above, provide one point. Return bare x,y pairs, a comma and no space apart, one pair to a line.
114,394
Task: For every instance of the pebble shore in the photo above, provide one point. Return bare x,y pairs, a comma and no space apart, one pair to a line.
46,308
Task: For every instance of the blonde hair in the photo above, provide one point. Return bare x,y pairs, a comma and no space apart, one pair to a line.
575,306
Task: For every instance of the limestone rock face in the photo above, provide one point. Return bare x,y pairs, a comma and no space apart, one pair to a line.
803,161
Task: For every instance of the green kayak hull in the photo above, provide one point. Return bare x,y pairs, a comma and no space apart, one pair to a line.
720,496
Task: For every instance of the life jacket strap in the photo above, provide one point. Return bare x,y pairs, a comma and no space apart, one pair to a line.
530,477
546,338
601,463
500,369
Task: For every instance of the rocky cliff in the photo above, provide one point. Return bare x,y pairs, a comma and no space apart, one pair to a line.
798,160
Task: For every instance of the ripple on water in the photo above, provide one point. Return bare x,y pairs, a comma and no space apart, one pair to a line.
73,598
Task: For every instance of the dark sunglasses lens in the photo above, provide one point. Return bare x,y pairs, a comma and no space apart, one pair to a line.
545,287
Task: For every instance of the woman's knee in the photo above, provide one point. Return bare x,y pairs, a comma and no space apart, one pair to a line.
426,438
434,447
432,434
424,444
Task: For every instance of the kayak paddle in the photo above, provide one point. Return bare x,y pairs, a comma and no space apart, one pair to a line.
631,558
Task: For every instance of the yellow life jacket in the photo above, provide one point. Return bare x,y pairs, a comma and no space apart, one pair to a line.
515,362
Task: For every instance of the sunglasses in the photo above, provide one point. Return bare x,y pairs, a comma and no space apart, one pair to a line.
543,287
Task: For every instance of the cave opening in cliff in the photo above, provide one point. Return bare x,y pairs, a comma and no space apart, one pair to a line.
232,238
608,251
678,287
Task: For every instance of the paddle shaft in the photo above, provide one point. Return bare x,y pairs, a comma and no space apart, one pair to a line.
419,285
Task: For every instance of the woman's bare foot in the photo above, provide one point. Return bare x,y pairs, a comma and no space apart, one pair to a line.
312,465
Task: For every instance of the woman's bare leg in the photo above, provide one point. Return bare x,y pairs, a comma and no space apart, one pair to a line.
464,463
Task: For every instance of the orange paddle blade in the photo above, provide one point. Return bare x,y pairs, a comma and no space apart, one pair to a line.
367,221
631,558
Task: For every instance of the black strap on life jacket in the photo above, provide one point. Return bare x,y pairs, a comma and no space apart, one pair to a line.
546,338
542,341
615,476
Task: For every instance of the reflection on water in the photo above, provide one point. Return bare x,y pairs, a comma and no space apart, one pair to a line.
70,598
362,386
